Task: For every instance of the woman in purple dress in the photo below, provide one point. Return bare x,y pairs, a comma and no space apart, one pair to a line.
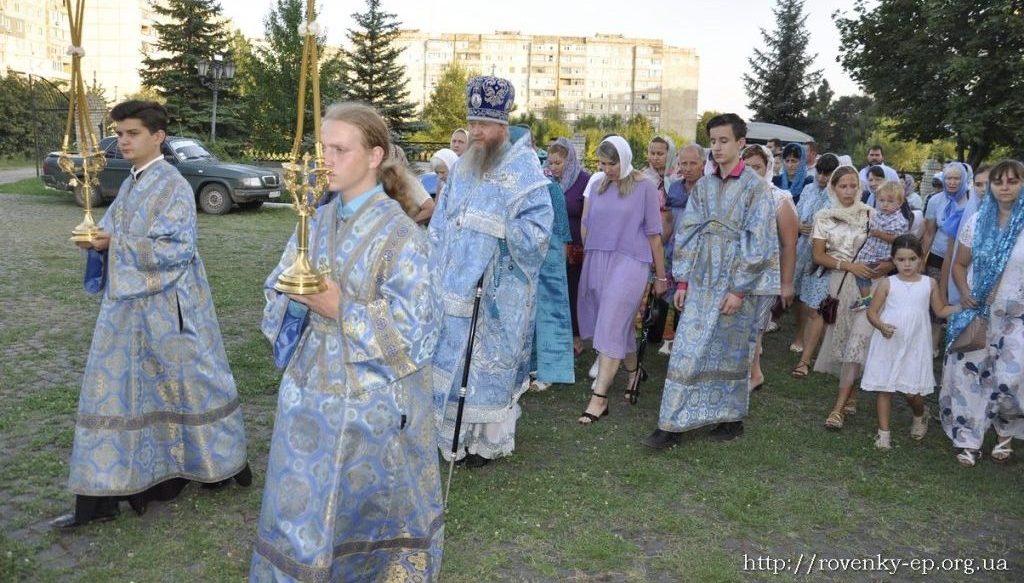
621,231
564,167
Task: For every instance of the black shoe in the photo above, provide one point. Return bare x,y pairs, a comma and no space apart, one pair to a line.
244,477
476,461
727,431
662,439
70,521
138,503
215,485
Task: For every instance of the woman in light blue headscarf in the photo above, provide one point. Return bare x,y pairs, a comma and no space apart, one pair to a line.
943,215
985,387
794,171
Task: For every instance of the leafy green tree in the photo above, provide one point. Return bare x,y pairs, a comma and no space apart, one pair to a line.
542,129
189,31
373,74
906,155
702,127
446,109
269,78
850,119
34,111
942,69
638,131
817,123
16,109
780,86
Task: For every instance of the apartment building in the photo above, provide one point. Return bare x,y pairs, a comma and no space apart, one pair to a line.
35,36
596,75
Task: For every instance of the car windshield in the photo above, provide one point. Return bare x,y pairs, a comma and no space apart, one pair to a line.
189,150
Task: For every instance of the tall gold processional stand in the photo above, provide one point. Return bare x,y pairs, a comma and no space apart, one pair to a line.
305,176
93,160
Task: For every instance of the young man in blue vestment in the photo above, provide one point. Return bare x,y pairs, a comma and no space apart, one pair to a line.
353,488
492,225
158,405
726,264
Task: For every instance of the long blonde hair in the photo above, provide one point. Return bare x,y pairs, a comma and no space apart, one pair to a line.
392,173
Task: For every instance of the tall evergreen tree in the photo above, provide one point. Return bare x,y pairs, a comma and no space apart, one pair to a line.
189,31
373,74
271,93
780,86
447,109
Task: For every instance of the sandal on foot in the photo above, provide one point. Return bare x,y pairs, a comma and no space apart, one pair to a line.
968,457
590,417
1002,451
801,370
633,388
850,408
919,425
834,422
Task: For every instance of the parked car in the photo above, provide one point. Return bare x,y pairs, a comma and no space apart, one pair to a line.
217,185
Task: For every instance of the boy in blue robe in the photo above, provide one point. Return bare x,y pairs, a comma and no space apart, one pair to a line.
158,405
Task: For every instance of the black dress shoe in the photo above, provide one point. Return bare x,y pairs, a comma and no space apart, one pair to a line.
244,477
662,439
70,520
138,503
476,461
727,431
215,485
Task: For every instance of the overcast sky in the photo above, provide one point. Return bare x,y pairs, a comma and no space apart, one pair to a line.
724,32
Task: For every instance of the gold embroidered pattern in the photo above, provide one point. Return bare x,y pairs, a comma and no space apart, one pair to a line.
388,339
119,423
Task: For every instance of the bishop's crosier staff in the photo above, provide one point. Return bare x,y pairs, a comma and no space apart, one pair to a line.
463,387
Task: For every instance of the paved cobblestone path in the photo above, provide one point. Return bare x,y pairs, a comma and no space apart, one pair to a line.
16,174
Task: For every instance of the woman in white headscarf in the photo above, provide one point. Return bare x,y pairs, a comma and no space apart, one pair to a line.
621,230
759,159
442,163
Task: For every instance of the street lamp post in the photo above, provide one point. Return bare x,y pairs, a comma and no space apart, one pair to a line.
215,74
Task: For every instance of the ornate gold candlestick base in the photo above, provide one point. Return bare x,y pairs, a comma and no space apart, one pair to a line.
300,279
86,231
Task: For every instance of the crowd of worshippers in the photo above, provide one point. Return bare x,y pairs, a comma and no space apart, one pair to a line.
912,260
426,337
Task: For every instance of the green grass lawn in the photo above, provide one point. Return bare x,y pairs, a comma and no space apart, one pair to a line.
572,504
33,186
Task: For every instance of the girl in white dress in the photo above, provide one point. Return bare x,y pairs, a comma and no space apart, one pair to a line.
900,356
